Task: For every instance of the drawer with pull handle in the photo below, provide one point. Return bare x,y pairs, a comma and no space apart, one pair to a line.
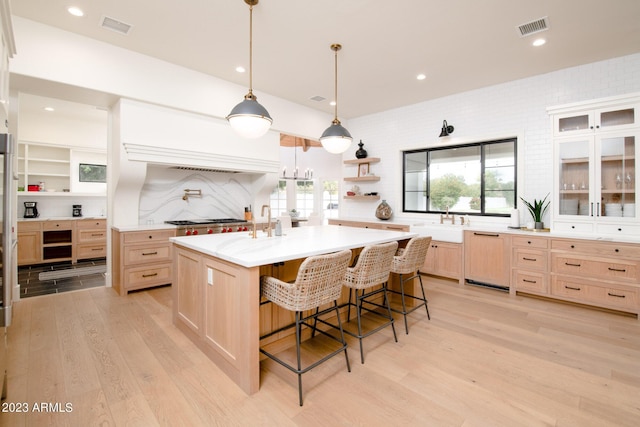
601,294
607,269
147,253
530,281
530,259
141,277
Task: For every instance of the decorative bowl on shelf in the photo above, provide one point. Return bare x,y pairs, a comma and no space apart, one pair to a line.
351,193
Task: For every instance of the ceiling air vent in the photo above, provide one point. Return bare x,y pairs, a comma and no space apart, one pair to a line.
317,98
115,25
197,169
533,27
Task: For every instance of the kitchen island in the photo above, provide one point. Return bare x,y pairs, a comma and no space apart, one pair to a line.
216,288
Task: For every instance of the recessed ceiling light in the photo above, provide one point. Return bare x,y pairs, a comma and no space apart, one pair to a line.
421,76
539,42
332,103
49,109
240,69
75,11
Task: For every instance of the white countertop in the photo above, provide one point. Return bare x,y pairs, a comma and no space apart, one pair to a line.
61,218
144,227
299,242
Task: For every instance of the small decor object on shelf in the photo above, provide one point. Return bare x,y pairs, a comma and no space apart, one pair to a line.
293,213
363,169
361,153
383,211
537,210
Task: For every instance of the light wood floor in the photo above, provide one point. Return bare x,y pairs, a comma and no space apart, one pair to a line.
484,359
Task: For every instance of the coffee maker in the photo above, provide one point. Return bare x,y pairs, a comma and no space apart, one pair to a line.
30,210
77,210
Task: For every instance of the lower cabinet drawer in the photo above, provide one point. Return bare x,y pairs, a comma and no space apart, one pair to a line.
531,281
146,254
607,269
91,251
140,277
530,259
600,294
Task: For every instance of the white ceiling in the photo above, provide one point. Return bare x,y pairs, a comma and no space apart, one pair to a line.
459,44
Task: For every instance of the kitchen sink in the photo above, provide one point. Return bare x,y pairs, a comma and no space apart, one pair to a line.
442,232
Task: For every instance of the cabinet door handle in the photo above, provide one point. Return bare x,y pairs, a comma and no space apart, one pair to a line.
572,288
97,249
615,295
529,281
97,235
529,259
150,253
621,270
571,265
150,275
486,234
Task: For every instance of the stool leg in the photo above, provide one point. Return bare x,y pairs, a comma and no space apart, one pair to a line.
404,306
424,297
388,304
349,305
344,342
298,327
359,313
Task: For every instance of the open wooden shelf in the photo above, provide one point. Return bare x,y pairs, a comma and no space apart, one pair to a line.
360,161
362,197
362,178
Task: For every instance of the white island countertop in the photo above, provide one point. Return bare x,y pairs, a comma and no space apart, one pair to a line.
299,242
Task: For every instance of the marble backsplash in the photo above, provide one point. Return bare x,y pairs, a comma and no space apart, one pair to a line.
224,195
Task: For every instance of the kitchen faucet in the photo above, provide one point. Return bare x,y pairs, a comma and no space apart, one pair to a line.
451,218
268,218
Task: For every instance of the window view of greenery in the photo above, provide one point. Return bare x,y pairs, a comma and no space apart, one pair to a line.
475,179
305,193
92,173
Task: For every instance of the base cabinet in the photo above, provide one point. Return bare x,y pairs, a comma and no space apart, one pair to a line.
141,259
600,274
444,259
29,242
530,264
65,240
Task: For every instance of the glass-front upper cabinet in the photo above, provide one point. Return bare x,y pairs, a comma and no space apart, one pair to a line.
588,121
597,176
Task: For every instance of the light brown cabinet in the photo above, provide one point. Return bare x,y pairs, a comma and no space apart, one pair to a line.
29,242
444,259
141,259
530,264
601,274
65,240
596,273
488,258
91,238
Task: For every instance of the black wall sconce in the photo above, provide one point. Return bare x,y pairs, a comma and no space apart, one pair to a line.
446,129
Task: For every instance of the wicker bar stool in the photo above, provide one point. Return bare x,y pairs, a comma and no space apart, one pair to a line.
408,260
318,282
372,268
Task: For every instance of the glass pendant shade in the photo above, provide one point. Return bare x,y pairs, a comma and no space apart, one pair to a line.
250,119
336,139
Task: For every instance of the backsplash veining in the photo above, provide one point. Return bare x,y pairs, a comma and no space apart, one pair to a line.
223,195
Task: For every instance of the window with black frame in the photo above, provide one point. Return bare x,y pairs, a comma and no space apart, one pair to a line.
473,179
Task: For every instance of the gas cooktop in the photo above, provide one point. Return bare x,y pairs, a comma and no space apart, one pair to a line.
205,221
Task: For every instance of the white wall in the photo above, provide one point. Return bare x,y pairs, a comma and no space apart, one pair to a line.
514,108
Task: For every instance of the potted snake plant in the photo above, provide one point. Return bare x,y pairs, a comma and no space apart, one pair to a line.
537,209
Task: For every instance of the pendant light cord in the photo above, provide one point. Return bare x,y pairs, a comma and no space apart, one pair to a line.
251,49
336,82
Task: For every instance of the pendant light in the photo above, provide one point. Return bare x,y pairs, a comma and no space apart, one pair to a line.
336,139
250,119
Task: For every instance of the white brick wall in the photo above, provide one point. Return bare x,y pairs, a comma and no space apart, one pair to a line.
513,108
